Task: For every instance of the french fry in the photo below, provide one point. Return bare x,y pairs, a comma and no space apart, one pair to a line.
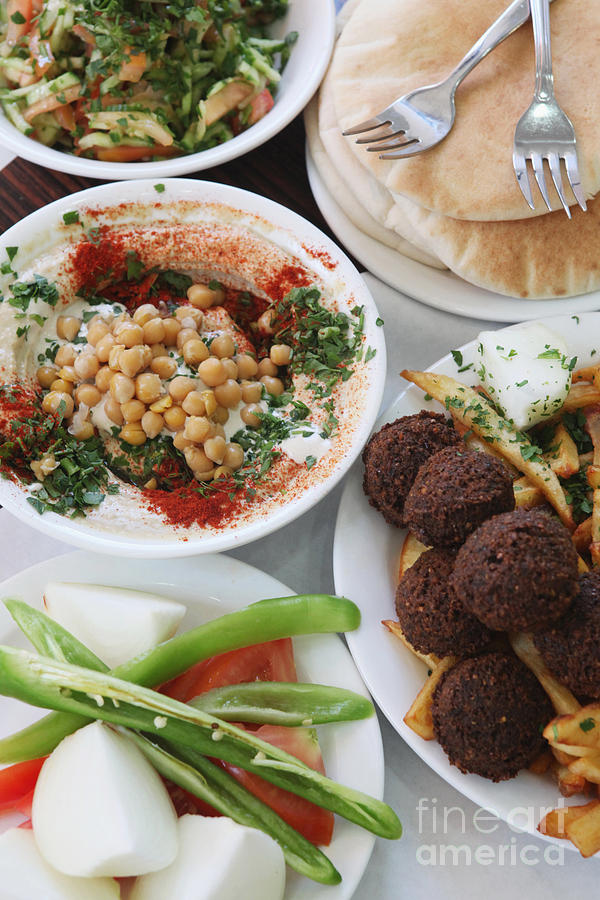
541,763
419,717
582,536
592,426
588,766
584,831
527,495
430,659
411,551
582,566
564,461
474,411
581,394
562,699
554,823
578,729
569,783
586,373
567,753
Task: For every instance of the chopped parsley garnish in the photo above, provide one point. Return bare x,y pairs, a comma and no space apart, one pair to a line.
40,290
159,188
457,357
135,266
587,724
310,462
11,252
578,494
379,322
71,218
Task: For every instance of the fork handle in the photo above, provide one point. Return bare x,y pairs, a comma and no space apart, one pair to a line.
544,82
512,18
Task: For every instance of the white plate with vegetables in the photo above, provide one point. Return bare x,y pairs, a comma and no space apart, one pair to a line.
366,564
211,587
165,92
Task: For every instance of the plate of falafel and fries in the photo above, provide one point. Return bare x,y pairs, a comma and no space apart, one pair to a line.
470,538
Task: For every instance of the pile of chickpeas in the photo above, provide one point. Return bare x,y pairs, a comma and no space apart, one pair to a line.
127,363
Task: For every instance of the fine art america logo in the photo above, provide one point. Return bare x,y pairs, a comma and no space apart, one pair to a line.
456,838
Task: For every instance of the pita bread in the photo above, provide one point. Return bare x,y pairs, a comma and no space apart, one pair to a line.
546,257
389,47
367,204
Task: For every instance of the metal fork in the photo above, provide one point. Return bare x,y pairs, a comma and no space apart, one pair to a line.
422,118
544,131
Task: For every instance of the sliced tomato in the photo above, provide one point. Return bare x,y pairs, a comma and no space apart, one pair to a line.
185,803
314,823
135,66
19,13
16,785
260,106
272,661
128,153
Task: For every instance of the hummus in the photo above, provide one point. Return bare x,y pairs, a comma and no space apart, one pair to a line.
251,399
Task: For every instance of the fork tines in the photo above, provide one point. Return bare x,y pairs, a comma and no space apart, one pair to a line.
554,161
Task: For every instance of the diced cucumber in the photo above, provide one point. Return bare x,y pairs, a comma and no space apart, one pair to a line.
56,86
13,113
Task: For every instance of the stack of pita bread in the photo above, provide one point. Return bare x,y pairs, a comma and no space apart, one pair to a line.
458,205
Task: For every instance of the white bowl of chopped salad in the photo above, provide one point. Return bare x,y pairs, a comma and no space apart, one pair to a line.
118,89
184,367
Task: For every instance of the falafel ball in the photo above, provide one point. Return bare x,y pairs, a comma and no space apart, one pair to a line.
430,614
518,571
571,649
394,454
488,715
454,492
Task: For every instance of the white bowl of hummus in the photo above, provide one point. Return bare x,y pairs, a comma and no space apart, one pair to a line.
185,367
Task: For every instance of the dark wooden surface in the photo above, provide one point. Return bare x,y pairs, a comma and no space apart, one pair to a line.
276,170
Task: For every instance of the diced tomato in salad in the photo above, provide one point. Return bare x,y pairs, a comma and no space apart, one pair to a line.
17,784
260,106
272,661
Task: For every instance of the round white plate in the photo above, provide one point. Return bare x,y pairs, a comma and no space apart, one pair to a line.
314,20
439,288
365,562
211,586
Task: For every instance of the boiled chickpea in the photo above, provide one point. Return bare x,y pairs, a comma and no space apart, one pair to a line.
53,400
88,394
151,484
152,423
197,429
97,330
122,319
59,384
222,472
130,334
133,434
218,431
172,329
280,354
157,350
148,387
46,375
86,365
193,404
212,372
266,367
114,357
65,355
215,448
204,476
82,431
133,410
195,351
266,321
112,408
203,297
190,312
67,327
68,373
144,314
221,415
154,331
163,366
174,418
122,388
273,386
233,456
181,442
164,402
248,415
252,391
103,378
228,394
230,368
209,401
104,346
180,387
197,459
222,346
247,365
132,361
185,335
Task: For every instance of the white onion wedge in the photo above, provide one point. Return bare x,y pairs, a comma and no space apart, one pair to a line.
99,808
115,623
218,860
26,875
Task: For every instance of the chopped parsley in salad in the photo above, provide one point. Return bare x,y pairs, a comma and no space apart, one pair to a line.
135,80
